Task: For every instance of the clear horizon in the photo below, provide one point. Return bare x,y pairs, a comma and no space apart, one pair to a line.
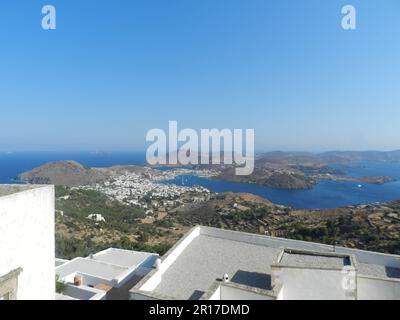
144,151
111,71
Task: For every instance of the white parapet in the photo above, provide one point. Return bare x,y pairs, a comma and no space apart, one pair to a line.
27,241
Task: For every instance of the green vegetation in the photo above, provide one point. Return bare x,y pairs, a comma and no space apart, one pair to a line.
81,203
123,227
69,248
61,286
374,228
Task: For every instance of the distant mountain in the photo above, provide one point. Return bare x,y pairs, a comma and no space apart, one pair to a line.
348,156
72,174
302,170
300,158
287,170
278,179
66,172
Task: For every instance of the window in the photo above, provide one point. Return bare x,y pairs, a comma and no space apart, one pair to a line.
9,285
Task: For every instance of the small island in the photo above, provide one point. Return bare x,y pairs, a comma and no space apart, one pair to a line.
368,179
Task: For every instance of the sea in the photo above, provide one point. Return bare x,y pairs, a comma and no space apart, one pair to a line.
326,194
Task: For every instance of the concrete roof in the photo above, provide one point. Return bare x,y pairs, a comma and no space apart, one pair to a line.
90,267
59,262
379,271
126,258
208,258
7,189
209,253
112,266
303,259
64,297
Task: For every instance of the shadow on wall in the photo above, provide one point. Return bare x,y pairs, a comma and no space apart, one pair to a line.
196,295
392,272
253,279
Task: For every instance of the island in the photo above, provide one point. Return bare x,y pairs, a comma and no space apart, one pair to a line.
133,209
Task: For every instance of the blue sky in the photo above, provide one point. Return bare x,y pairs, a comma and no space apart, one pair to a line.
114,69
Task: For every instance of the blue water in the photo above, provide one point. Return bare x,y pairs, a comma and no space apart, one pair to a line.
15,163
327,194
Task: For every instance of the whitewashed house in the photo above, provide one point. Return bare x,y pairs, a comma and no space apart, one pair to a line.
27,242
96,217
106,275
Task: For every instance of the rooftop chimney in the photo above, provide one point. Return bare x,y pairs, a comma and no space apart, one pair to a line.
157,263
225,278
77,280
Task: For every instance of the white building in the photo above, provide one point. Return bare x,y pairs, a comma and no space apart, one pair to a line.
215,264
96,217
106,275
27,242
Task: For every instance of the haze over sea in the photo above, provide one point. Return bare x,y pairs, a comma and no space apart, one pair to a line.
326,194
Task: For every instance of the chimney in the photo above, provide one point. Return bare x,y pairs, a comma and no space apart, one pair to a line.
225,278
77,280
157,263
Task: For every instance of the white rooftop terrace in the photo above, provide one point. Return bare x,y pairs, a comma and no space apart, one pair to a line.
125,258
192,267
111,266
108,274
106,271
295,258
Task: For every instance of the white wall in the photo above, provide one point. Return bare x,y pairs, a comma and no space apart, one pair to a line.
27,241
84,293
280,294
311,284
231,293
377,289
216,295
89,280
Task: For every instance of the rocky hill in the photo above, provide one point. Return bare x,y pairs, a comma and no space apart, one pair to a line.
67,173
70,173
277,179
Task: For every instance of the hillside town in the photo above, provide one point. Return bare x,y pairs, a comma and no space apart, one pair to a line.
151,189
